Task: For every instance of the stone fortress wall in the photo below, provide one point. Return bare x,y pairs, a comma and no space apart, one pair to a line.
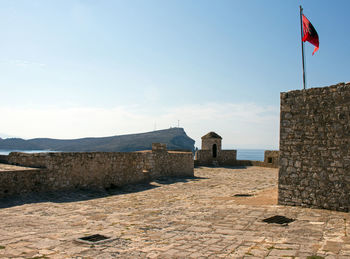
93,170
224,157
271,157
3,159
315,148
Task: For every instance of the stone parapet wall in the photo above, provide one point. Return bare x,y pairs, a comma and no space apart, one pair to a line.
228,158
271,158
3,159
57,171
204,157
172,163
24,181
86,170
224,157
315,148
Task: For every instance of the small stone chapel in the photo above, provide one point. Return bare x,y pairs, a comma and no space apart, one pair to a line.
211,153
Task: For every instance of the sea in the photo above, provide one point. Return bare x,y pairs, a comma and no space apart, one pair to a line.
250,154
242,154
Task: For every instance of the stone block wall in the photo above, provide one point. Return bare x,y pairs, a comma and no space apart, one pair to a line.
207,144
172,163
204,157
93,170
3,159
24,181
224,157
315,148
271,158
228,158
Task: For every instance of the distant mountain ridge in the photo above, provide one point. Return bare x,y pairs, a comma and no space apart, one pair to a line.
3,136
174,138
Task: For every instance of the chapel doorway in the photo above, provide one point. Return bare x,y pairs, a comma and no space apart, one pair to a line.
215,150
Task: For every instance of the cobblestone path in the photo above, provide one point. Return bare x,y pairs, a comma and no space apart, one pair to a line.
198,217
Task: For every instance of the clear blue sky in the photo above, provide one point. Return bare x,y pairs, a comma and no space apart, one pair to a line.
94,68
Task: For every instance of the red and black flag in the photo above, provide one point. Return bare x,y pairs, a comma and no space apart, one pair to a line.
310,34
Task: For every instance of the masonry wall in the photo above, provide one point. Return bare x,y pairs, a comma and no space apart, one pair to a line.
93,170
207,144
3,159
271,158
204,157
315,148
23,181
224,157
229,158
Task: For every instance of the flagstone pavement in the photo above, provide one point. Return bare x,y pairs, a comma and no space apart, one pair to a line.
196,217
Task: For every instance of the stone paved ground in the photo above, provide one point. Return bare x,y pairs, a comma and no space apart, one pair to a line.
172,218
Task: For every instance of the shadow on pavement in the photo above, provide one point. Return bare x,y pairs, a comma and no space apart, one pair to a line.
64,196
71,195
171,180
228,167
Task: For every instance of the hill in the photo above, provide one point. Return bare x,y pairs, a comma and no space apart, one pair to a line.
175,138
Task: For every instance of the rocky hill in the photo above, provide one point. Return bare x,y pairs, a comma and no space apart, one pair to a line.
175,138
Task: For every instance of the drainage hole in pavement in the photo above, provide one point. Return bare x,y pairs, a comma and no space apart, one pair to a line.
243,195
278,220
94,238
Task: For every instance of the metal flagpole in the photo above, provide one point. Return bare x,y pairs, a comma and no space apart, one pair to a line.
302,45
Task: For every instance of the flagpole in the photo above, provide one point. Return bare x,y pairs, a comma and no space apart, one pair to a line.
302,45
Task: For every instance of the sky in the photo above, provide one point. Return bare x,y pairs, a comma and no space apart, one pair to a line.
84,68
